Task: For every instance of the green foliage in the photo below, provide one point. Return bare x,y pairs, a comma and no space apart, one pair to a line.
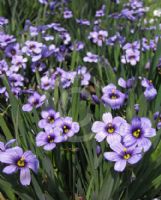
74,169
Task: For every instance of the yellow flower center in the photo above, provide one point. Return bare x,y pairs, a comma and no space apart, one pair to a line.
51,120
127,156
136,133
110,128
65,129
50,140
21,162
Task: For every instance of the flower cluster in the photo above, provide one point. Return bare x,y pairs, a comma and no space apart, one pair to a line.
56,129
128,141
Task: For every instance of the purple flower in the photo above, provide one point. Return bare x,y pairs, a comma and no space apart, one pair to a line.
98,37
66,38
47,83
84,75
83,22
138,132
133,46
3,21
23,162
44,1
126,84
49,118
12,50
18,62
101,12
77,46
90,57
33,49
113,97
6,39
4,147
3,67
39,66
67,78
150,92
122,155
131,57
49,138
68,14
69,128
108,128
16,80
34,101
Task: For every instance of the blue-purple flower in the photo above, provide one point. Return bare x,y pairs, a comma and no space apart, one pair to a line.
150,92
69,128
49,138
138,133
113,97
34,101
108,128
90,57
122,155
4,147
49,117
22,161
84,75
98,37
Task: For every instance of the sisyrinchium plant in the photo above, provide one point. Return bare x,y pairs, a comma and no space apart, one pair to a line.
80,103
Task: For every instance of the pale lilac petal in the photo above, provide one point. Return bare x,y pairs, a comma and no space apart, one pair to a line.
100,136
98,126
120,165
122,82
149,132
27,107
111,156
41,139
134,159
42,123
129,140
113,138
25,177
44,114
124,129
119,121
145,122
107,118
2,146
10,142
34,165
58,139
75,127
144,143
117,147
10,169
6,158
49,147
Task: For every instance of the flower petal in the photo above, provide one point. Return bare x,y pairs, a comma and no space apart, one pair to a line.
113,138
120,165
98,126
149,132
144,143
111,156
49,147
107,118
100,136
10,169
27,107
25,177
134,159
